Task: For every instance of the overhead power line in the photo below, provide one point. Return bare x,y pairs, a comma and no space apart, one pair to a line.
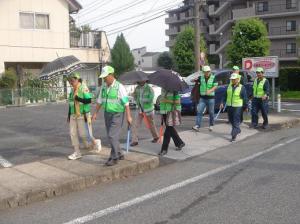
114,11
94,8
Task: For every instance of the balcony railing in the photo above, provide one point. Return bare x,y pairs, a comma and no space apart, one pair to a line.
276,8
282,30
285,53
89,39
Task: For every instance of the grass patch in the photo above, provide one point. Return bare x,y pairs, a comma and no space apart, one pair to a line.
290,95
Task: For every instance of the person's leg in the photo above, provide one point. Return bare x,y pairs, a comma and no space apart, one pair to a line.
74,137
230,114
264,112
152,127
135,127
83,129
114,134
166,141
176,138
236,122
200,109
211,111
254,112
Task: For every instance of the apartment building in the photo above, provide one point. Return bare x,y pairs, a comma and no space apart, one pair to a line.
282,18
34,32
145,60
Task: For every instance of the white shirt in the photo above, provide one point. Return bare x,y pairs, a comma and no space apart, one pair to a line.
122,93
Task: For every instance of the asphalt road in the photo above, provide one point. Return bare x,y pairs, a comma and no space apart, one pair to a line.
253,181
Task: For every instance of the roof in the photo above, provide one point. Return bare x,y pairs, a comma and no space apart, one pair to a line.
138,48
74,6
149,54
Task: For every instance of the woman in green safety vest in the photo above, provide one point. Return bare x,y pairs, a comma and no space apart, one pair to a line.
143,95
79,117
170,109
261,91
236,101
113,99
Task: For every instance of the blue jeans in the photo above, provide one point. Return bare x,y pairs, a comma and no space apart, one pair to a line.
208,103
259,105
234,115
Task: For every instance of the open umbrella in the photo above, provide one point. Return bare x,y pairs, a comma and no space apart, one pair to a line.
133,77
60,66
168,80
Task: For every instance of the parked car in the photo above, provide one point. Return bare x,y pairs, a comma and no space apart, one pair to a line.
222,77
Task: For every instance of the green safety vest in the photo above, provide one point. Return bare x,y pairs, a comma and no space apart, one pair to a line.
234,97
206,86
84,93
168,107
146,102
111,101
258,90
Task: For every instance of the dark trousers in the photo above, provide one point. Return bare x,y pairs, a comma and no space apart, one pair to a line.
170,132
259,105
234,115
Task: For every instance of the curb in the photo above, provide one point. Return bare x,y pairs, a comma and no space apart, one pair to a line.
80,179
32,104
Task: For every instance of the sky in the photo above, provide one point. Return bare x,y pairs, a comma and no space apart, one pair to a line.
114,15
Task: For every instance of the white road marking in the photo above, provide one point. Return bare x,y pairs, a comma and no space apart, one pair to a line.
123,205
5,163
291,110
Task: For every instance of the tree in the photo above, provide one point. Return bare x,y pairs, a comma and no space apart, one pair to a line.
121,58
9,79
249,40
183,51
165,60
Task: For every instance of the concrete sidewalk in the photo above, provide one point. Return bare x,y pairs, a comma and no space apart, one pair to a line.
198,143
37,181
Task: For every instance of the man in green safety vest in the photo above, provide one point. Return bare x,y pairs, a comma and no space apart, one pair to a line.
79,116
261,91
208,86
236,100
143,95
113,99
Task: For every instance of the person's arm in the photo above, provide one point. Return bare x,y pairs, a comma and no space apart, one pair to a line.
84,101
98,105
266,88
124,100
223,101
244,96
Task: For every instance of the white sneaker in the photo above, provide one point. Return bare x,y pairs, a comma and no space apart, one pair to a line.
97,146
75,156
210,128
196,128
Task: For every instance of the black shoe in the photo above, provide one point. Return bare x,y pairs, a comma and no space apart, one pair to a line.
155,140
162,153
111,162
253,126
233,139
264,126
180,147
134,144
121,156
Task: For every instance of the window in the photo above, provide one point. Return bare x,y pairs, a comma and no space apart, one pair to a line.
30,20
262,6
139,62
291,48
267,26
291,4
291,25
223,78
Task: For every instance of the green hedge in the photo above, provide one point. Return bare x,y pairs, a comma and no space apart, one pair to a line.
289,79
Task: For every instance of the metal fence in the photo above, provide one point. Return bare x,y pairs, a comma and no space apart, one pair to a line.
29,95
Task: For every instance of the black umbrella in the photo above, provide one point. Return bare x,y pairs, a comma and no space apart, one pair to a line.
168,80
133,77
60,66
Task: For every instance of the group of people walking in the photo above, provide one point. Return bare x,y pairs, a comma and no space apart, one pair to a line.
113,99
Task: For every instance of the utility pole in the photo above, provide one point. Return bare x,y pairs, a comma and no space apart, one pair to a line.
197,34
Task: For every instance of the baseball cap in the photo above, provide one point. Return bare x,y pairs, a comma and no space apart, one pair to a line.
106,70
259,69
235,67
234,76
75,75
206,68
